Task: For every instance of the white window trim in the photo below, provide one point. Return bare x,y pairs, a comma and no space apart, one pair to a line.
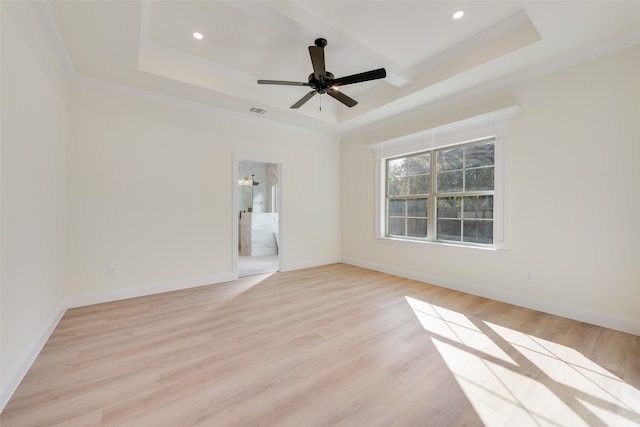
494,124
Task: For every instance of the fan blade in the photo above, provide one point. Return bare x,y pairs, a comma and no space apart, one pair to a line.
349,102
280,82
304,99
380,73
317,60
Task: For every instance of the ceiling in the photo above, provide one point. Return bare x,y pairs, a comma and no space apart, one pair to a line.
148,46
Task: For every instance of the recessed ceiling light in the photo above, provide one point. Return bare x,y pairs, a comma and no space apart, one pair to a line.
459,14
198,36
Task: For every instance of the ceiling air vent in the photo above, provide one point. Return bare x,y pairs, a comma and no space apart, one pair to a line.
257,110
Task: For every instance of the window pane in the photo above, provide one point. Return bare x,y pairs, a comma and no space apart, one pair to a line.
398,186
417,207
449,182
449,159
478,231
449,229
478,207
396,226
396,168
479,179
465,180
417,227
449,207
419,184
479,155
397,207
418,164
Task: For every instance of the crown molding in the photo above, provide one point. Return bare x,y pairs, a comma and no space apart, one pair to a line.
51,28
500,84
474,42
589,55
193,105
344,127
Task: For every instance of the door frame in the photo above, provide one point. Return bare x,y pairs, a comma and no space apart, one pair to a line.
237,158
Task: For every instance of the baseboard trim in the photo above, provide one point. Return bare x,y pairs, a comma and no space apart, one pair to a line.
15,377
9,386
628,325
17,374
149,289
312,263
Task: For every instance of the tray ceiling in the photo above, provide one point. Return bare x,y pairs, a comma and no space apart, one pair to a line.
427,54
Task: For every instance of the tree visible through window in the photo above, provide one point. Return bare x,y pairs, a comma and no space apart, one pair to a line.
455,204
409,182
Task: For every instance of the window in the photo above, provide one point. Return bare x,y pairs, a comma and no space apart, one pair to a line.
445,185
460,194
408,187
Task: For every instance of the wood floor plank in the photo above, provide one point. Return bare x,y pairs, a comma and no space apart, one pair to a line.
335,345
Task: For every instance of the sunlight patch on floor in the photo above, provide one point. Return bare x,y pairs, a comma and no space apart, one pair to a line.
496,393
569,367
610,418
512,378
456,327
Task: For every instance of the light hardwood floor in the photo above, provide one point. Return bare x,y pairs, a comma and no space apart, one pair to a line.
330,346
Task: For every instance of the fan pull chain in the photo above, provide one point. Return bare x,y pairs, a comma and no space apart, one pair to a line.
320,97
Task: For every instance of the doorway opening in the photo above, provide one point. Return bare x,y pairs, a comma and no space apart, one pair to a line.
258,196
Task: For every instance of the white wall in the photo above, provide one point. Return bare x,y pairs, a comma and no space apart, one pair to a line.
573,197
144,184
151,191
34,236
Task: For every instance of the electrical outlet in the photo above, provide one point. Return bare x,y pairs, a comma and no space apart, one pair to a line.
111,272
528,276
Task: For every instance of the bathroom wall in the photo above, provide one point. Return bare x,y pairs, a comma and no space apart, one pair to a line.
266,175
258,226
259,231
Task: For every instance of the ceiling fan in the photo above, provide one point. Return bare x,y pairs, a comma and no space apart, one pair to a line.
322,81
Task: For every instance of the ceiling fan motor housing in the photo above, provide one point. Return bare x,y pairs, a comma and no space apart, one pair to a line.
322,85
323,81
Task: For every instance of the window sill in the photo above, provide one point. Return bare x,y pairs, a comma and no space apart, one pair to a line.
439,245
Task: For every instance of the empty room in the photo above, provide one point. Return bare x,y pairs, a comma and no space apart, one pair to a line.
320,213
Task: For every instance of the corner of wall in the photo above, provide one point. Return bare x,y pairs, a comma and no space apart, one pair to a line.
11,382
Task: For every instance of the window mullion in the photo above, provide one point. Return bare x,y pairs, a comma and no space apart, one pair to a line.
432,223
469,185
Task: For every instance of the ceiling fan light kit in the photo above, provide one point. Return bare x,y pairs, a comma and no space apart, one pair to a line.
323,81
